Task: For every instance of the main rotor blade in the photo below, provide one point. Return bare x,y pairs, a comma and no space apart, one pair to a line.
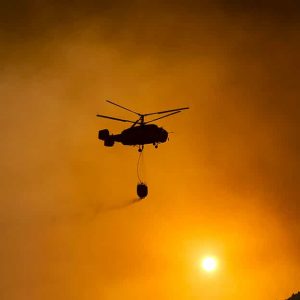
166,111
123,107
173,113
116,119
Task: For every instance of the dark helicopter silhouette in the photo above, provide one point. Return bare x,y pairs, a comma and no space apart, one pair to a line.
141,132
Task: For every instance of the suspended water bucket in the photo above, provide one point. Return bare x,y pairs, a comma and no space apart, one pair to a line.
142,190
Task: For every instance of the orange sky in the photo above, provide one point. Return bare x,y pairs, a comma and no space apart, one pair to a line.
227,183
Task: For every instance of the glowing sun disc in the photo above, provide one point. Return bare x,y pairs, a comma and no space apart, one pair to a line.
209,264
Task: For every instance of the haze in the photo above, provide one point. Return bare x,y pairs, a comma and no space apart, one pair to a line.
226,184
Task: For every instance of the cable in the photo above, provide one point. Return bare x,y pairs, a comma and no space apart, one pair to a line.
138,167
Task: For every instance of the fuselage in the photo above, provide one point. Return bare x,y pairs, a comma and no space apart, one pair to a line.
141,135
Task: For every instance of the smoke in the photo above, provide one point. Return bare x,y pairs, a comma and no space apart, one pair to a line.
230,170
82,216
101,209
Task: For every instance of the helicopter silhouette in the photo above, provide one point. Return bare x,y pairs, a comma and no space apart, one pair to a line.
141,132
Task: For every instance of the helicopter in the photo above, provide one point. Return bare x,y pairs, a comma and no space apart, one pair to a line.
141,132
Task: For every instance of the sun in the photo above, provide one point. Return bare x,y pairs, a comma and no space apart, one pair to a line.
209,264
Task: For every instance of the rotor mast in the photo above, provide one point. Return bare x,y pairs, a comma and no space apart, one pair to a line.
142,119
